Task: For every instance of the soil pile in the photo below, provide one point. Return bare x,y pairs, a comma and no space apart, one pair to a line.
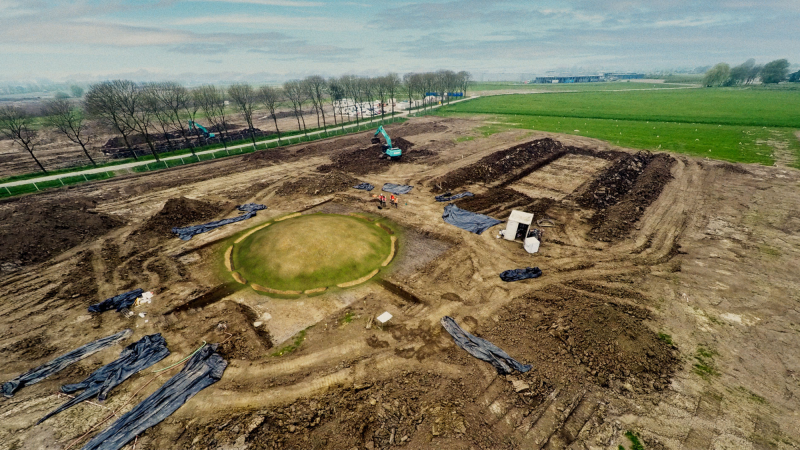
504,166
413,128
366,160
32,231
267,157
623,192
402,144
499,202
325,184
567,333
178,212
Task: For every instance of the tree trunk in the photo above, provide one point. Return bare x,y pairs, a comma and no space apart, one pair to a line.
275,119
87,153
127,144
37,160
324,124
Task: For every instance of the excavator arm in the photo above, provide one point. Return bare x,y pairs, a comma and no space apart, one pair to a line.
195,125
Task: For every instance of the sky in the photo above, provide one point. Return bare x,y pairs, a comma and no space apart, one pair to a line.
277,40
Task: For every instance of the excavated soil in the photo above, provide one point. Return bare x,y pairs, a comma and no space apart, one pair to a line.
622,193
179,212
687,349
498,203
37,231
367,160
502,166
325,184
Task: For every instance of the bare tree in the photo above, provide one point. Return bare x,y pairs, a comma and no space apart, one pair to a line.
351,88
316,86
244,97
393,84
381,91
336,96
296,93
135,111
211,100
368,91
270,97
15,124
464,79
102,101
162,115
177,100
68,119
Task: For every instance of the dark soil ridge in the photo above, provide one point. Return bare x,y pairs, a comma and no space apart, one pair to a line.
324,184
178,212
503,167
366,160
498,203
32,231
623,191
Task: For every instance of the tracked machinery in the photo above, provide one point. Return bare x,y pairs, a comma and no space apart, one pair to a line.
196,126
387,149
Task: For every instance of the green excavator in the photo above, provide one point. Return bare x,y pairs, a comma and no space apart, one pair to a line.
388,150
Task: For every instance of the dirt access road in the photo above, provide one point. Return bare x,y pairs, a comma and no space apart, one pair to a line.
668,305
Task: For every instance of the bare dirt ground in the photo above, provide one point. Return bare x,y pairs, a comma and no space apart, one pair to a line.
668,305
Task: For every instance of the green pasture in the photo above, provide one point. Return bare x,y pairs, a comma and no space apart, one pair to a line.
561,87
740,125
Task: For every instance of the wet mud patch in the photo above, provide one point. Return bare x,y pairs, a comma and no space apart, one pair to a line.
33,231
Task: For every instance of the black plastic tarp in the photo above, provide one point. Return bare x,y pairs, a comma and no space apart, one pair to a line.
448,197
186,233
483,349
364,186
134,358
249,207
521,274
470,221
398,189
62,362
201,370
118,302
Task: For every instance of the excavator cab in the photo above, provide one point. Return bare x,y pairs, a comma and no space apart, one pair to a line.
388,150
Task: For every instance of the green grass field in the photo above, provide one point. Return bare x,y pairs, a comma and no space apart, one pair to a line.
311,251
559,87
739,125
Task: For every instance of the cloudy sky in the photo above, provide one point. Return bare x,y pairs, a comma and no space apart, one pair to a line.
274,40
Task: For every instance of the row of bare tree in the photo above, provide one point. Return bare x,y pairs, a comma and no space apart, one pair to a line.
169,110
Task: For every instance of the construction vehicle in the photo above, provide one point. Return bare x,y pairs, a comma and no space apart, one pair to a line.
196,126
388,150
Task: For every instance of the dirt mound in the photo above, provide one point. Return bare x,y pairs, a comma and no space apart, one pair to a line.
178,212
622,198
569,333
32,231
325,184
402,144
362,161
503,166
734,168
614,182
499,202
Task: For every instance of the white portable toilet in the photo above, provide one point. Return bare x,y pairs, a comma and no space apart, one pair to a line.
515,220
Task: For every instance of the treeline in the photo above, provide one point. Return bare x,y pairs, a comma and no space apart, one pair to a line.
167,111
749,72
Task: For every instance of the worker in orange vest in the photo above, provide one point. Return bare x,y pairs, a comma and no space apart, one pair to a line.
394,200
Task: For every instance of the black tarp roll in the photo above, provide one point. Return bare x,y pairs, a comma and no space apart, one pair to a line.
521,274
62,362
448,197
364,186
470,221
483,349
118,302
398,189
134,358
201,370
186,233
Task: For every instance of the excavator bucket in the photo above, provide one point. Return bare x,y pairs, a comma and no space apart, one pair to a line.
376,140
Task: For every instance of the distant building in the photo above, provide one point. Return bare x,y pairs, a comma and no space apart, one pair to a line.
588,78
623,76
568,79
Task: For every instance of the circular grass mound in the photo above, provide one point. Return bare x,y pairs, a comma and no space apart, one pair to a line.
311,252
